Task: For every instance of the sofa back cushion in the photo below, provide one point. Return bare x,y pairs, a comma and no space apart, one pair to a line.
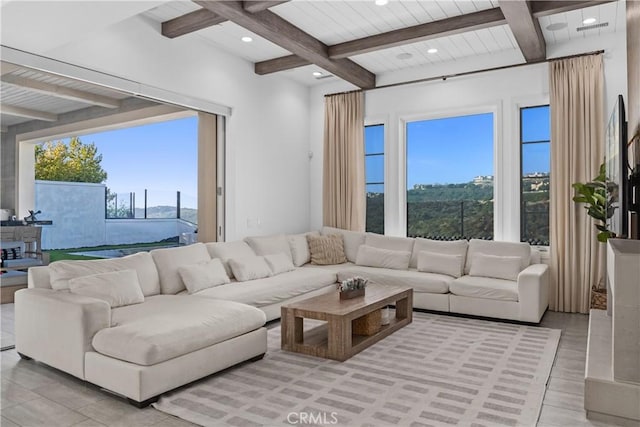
369,256
299,246
227,250
379,241
490,247
60,272
118,288
268,245
455,247
351,240
169,260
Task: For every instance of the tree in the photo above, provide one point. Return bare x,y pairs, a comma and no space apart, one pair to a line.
73,162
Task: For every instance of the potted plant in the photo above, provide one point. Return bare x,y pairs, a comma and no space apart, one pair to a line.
598,205
595,195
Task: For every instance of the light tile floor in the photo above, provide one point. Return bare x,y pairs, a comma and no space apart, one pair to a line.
35,395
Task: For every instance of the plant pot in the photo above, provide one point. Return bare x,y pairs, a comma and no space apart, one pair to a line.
599,298
352,294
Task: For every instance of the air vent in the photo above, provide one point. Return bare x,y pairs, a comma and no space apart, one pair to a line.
328,76
592,27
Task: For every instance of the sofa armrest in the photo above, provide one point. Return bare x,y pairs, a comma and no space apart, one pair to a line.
533,292
56,327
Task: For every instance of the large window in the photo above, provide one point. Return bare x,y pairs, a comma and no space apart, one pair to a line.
450,177
374,173
535,140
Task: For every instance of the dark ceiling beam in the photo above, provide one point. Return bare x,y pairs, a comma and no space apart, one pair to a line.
550,7
539,8
194,21
277,30
254,6
525,28
203,18
431,30
279,64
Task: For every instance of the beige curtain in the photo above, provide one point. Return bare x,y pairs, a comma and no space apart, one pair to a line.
207,177
343,196
577,150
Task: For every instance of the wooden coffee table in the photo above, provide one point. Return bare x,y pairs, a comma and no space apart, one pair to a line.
335,340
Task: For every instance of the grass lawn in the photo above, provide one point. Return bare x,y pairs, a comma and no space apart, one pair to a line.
66,254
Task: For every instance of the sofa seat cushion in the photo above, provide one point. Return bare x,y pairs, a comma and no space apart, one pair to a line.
168,326
272,290
485,287
420,282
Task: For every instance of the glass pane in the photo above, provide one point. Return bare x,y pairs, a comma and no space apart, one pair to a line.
536,158
375,188
450,177
536,164
374,167
374,139
375,209
535,122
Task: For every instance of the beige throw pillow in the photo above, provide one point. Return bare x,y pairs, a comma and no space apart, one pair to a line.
300,248
118,288
326,250
432,262
369,256
203,275
499,267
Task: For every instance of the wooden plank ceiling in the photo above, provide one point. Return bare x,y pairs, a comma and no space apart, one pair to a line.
301,29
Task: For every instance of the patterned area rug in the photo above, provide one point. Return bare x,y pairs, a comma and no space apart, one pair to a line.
439,370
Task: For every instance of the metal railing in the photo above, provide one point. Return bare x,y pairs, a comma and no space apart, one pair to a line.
149,204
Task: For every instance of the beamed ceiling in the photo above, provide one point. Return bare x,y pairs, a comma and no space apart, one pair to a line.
357,41
350,39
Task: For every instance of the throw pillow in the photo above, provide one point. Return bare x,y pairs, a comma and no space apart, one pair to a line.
454,247
385,258
249,268
326,250
279,263
118,288
351,240
203,275
498,267
432,262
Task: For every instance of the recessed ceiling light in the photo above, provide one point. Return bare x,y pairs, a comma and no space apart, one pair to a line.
557,26
589,21
404,56
317,73
381,2
247,39
432,50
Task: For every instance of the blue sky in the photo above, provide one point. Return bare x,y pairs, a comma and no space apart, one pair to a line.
161,157
457,149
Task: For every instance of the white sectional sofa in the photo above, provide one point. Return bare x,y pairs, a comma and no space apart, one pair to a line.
147,323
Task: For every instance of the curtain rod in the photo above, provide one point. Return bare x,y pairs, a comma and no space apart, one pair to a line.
466,73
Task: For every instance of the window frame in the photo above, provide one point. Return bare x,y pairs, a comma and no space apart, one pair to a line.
521,143
499,211
367,124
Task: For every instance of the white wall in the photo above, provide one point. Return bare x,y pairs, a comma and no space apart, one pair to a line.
128,231
502,91
267,134
77,212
